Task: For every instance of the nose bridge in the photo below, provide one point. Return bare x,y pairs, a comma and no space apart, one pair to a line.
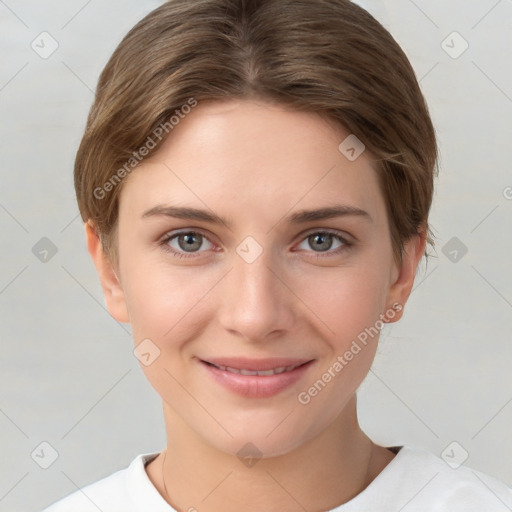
256,302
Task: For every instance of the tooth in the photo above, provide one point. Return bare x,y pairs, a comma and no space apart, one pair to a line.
248,372
268,372
243,371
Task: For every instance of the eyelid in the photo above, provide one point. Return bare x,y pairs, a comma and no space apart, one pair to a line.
183,231
346,241
331,231
164,240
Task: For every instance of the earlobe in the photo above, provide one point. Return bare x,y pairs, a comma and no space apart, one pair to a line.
110,283
403,280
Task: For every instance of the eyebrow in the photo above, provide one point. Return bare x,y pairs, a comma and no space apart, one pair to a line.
299,217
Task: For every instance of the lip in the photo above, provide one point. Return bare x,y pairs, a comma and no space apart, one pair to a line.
256,386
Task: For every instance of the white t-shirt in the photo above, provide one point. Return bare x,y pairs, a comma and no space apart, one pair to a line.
414,481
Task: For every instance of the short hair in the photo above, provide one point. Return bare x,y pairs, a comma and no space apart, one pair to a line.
330,57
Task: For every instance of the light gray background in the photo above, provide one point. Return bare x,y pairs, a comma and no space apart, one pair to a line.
68,375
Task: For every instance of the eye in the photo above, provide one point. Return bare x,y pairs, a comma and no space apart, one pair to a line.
322,241
185,244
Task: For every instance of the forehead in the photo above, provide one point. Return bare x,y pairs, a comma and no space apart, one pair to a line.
257,158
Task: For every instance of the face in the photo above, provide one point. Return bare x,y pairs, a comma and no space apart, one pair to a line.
247,313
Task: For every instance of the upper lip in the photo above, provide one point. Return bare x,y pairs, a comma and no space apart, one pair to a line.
256,364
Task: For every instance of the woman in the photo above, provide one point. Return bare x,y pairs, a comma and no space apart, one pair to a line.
255,180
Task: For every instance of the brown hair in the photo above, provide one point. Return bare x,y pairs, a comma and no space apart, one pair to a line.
325,56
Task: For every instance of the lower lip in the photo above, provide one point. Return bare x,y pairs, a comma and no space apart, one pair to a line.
256,386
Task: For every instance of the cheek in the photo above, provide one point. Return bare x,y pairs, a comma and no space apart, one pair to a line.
166,307
161,301
347,300
169,304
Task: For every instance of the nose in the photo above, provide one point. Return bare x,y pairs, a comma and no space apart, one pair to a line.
256,304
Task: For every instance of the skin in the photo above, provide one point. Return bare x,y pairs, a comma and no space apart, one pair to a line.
254,163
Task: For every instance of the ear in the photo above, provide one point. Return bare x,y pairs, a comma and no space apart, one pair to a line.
402,279
112,290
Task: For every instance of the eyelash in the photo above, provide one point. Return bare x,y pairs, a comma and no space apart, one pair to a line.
170,236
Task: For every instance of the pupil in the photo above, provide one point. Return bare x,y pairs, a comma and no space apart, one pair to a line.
320,237
189,241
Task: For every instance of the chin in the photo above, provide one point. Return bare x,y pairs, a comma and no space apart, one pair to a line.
261,440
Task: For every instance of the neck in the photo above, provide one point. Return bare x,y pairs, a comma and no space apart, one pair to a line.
320,474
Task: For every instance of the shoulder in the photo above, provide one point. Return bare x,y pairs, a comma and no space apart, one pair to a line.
113,493
416,480
444,485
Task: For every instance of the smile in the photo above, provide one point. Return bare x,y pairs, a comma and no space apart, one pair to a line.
244,371
256,378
